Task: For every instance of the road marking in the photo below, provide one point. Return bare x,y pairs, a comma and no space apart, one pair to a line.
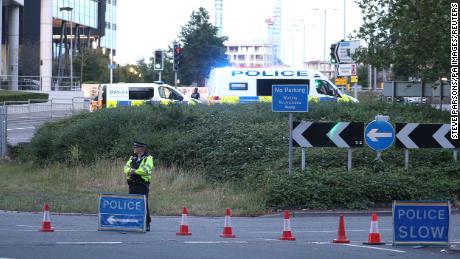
269,239
56,230
88,243
377,248
318,231
5,258
215,242
22,128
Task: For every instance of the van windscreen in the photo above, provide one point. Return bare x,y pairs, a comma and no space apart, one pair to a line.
264,86
140,93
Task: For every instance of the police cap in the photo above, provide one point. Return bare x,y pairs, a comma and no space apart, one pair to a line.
139,144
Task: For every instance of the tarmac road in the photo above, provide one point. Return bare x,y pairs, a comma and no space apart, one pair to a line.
76,236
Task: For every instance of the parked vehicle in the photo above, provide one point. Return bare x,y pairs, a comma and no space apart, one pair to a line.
242,85
135,94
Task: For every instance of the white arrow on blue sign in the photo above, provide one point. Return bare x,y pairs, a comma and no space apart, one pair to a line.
379,135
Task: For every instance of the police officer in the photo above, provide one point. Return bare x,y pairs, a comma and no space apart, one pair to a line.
138,171
195,94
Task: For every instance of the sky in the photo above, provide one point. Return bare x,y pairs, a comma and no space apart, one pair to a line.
153,24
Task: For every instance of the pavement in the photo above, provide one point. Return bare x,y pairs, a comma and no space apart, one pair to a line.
76,236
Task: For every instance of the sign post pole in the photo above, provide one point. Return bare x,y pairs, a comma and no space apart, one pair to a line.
290,98
303,158
406,159
349,159
455,154
355,86
290,143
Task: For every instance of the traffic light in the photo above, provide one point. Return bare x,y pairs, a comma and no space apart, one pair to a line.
158,60
333,54
177,58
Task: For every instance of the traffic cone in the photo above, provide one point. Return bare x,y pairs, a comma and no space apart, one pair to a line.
227,226
183,228
374,235
46,224
341,236
287,235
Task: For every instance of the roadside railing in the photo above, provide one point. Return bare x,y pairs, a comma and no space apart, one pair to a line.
36,83
3,131
37,110
40,109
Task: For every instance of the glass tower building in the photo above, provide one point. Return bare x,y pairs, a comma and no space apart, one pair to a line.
51,28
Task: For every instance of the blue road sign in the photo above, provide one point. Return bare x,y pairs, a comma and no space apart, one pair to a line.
421,222
122,212
290,98
379,135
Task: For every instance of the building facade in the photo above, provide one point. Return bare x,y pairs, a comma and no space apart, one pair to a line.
328,69
249,55
10,39
52,32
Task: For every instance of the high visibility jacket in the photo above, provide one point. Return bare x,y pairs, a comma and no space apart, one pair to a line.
143,166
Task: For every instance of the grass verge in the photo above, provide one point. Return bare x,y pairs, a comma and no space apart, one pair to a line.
76,189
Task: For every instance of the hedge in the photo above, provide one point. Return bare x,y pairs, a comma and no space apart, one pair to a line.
248,144
21,96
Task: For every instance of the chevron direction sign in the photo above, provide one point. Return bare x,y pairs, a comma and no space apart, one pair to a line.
417,135
328,134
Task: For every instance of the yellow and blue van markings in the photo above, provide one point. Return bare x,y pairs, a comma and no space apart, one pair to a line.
252,99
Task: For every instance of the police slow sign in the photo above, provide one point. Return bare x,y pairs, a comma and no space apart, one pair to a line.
421,222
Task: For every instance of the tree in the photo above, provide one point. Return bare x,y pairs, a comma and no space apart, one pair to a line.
92,65
411,36
202,48
128,74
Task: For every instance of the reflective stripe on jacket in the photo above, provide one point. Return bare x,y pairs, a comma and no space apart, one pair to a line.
144,170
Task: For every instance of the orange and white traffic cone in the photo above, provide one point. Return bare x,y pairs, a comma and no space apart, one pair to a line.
46,224
341,236
183,228
227,233
287,235
374,234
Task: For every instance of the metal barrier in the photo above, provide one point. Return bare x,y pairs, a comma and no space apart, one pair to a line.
35,83
3,130
39,109
36,110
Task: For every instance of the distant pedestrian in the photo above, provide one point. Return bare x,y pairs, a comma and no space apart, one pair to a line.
195,94
138,171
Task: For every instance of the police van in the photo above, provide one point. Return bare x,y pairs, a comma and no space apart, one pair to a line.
135,94
243,85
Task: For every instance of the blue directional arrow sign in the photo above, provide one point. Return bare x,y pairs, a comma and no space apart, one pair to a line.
379,135
122,212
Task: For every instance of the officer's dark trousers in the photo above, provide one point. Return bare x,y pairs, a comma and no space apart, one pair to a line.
138,188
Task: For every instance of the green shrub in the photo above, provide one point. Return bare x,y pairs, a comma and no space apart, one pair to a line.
21,96
248,144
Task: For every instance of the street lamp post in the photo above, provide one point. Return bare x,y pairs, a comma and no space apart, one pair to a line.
111,43
70,10
325,28
344,18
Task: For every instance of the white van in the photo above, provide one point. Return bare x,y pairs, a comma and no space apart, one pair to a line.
135,94
243,85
